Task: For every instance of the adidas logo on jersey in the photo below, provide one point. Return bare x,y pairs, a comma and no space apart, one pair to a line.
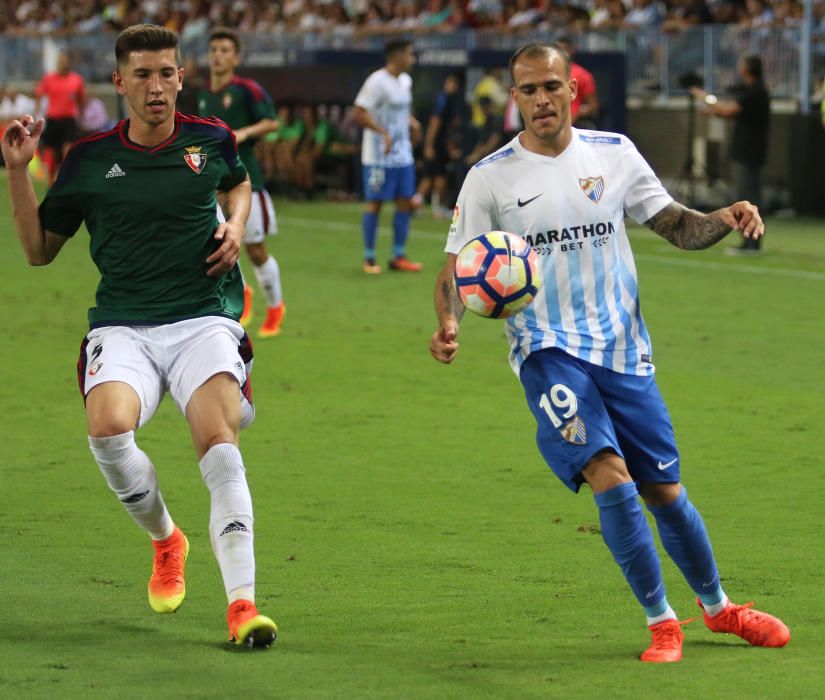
115,171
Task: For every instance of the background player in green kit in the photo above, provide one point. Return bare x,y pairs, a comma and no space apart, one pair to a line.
245,106
167,305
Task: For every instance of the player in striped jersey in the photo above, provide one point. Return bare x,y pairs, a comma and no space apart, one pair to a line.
383,107
247,108
167,305
582,351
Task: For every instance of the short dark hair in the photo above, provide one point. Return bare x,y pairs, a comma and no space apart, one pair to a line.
226,33
753,64
145,37
536,49
393,47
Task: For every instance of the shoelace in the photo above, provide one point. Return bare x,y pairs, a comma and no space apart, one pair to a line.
169,570
668,635
738,614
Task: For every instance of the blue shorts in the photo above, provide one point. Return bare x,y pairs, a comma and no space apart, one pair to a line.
582,409
386,184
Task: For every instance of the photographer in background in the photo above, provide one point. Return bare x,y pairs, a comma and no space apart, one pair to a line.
749,108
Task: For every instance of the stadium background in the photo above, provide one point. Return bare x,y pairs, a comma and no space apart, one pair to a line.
319,51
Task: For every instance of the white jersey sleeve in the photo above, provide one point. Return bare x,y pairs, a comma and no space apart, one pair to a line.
646,196
371,93
474,212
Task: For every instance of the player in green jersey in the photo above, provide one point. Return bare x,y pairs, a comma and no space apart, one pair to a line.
245,106
167,305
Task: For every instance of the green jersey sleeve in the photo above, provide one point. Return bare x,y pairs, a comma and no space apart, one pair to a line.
236,172
61,211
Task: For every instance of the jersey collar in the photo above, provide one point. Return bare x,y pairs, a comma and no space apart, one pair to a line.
123,132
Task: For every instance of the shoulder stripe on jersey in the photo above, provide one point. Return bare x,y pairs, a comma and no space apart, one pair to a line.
258,93
589,138
208,121
91,138
496,156
229,147
98,135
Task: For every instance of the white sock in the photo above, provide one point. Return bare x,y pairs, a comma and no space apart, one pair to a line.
666,615
131,475
269,277
230,522
716,608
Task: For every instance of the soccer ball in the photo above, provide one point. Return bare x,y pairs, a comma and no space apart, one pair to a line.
496,275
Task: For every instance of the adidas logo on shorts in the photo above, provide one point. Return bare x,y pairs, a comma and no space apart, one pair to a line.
115,171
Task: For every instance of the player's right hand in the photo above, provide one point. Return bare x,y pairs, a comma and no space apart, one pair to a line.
444,342
20,141
385,136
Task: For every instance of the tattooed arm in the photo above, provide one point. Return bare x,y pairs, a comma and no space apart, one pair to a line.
449,309
689,229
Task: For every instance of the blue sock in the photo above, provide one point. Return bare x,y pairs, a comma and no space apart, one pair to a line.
400,230
369,225
628,536
685,539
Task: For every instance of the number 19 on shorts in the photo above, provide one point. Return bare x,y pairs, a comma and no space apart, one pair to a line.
560,404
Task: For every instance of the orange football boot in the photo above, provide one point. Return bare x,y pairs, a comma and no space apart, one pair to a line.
755,627
272,325
403,264
167,587
249,628
371,268
666,646
246,315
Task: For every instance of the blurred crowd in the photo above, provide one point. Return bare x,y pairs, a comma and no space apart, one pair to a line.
194,18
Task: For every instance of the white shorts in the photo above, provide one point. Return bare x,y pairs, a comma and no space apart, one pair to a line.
175,357
261,221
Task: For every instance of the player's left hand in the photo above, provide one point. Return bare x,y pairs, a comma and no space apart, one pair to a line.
226,256
744,217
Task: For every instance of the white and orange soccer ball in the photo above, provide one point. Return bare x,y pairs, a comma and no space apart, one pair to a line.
496,274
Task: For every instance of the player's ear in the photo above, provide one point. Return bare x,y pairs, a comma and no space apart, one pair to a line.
574,88
117,79
180,79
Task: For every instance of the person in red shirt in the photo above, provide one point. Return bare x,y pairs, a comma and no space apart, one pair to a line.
584,109
64,90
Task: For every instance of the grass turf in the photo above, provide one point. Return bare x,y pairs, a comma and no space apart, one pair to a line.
410,541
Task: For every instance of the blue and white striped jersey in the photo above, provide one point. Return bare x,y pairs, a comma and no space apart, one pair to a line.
389,101
570,209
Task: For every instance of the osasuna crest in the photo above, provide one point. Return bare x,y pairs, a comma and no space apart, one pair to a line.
593,187
227,100
574,431
195,159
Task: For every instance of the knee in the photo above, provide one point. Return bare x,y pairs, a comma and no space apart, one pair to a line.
605,471
656,495
257,253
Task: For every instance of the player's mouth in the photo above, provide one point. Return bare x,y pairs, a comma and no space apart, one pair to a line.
543,117
156,106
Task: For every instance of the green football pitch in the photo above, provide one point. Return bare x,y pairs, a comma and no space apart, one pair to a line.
410,541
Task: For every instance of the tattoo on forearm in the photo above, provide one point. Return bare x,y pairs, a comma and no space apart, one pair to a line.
688,229
451,301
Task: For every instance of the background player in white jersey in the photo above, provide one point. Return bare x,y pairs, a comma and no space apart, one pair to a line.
383,108
581,349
